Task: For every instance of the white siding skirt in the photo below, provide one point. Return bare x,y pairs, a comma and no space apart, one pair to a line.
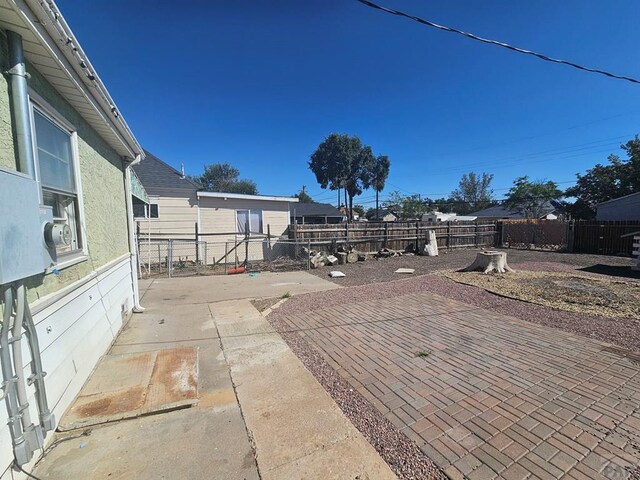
75,328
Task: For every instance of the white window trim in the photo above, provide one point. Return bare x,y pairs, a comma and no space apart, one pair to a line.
153,200
36,101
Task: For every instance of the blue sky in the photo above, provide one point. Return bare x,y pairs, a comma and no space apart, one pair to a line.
260,83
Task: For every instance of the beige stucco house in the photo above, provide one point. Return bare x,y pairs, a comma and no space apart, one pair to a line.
64,141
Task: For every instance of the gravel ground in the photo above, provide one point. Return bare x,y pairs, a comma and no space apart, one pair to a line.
580,293
381,270
264,303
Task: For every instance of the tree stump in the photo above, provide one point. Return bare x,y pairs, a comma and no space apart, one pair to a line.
490,261
352,257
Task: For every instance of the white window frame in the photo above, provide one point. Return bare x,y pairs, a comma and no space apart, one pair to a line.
251,232
147,212
36,102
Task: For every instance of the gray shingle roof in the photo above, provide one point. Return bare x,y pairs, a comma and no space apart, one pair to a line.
315,210
156,174
499,211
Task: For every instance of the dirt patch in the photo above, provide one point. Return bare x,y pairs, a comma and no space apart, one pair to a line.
381,270
565,291
265,303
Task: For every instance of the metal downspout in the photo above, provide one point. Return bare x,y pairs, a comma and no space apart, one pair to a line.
20,104
137,308
26,436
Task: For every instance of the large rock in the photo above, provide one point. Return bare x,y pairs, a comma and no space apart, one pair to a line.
331,260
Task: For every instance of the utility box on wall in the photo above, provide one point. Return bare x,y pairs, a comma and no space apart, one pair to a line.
22,246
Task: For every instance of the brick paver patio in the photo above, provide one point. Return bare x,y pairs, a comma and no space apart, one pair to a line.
491,396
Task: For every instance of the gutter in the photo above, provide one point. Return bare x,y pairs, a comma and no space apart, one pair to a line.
48,16
133,250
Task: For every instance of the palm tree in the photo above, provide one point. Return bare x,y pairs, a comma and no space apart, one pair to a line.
379,174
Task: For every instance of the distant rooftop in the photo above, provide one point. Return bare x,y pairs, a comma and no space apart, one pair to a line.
499,211
156,174
316,210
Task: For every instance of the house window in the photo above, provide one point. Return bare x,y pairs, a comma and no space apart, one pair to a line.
55,170
252,218
145,211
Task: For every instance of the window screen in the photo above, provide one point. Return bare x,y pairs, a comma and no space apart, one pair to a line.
255,221
153,210
138,210
54,154
242,217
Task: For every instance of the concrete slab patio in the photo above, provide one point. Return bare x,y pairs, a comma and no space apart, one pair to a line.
260,414
207,289
485,395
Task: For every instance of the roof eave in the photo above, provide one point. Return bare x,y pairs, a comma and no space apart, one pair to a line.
48,25
242,196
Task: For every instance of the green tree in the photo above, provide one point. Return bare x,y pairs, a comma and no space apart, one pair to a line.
531,197
359,209
473,193
444,205
618,178
222,177
379,171
341,161
303,196
408,206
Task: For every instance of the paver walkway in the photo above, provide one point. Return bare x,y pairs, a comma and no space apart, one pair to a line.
491,396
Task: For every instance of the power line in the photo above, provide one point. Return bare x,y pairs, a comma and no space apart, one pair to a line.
496,43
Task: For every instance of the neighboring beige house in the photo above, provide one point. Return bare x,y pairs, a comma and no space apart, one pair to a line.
65,157
172,211
176,208
224,218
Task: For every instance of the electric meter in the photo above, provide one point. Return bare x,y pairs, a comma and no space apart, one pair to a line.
57,234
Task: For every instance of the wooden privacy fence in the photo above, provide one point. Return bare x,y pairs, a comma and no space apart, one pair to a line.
534,233
371,237
604,238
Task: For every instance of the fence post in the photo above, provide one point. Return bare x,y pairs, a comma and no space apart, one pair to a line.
570,235
476,233
386,234
448,235
170,258
226,252
269,235
204,263
308,255
197,245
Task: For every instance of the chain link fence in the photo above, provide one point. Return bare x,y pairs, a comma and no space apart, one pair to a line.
176,258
